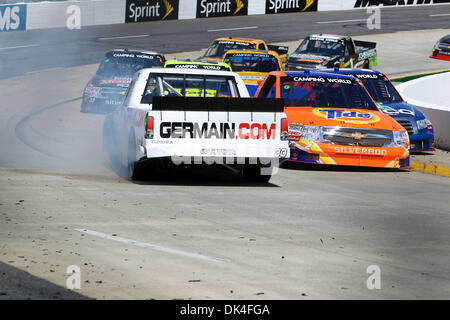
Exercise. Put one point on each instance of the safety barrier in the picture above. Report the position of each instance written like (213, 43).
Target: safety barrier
(431, 95)
(14, 17)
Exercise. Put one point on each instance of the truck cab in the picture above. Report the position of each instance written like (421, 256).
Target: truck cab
(322, 51)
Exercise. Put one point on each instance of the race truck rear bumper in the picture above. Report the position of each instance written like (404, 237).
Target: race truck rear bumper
(187, 151)
(320, 153)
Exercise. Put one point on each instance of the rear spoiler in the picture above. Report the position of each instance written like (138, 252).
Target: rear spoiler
(268, 105)
(281, 50)
(365, 44)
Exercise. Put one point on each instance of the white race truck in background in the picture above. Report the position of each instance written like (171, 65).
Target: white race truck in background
(188, 117)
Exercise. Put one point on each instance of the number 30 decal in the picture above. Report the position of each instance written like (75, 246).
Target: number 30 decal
(281, 152)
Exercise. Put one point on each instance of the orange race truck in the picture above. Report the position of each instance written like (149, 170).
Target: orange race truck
(333, 120)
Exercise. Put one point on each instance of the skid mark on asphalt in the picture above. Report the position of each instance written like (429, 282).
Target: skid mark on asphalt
(20, 128)
(150, 246)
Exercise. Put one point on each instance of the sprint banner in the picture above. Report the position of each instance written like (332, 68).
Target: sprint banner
(13, 17)
(284, 6)
(221, 8)
(151, 10)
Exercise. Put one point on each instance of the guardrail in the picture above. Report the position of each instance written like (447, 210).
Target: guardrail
(14, 17)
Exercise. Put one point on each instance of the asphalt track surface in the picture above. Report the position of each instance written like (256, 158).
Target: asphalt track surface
(311, 233)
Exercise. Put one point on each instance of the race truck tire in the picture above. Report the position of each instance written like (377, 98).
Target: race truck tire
(252, 173)
(134, 166)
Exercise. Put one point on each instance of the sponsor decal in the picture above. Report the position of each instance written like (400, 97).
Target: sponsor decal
(240, 43)
(321, 79)
(13, 17)
(151, 10)
(347, 116)
(283, 6)
(295, 130)
(367, 3)
(113, 102)
(249, 55)
(323, 38)
(393, 112)
(218, 152)
(361, 151)
(244, 77)
(365, 76)
(221, 8)
(197, 66)
(223, 130)
(133, 56)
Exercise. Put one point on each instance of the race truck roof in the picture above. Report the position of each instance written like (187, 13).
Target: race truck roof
(190, 71)
(209, 65)
(123, 61)
(328, 36)
(220, 46)
(136, 51)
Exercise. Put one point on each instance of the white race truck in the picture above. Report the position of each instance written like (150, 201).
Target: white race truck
(190, 117)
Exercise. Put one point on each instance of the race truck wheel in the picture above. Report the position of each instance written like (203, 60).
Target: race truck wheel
(253, 173)
(134, 166)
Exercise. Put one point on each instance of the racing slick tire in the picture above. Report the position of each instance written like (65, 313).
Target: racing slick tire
(134, 166)
(253, 173)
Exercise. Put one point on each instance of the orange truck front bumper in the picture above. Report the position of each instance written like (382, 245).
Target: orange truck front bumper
(321, 153)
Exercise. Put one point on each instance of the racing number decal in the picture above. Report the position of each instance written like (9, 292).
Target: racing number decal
(281, 152)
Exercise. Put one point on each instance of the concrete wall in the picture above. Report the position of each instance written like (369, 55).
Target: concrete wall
(55, 15)
(103, 12)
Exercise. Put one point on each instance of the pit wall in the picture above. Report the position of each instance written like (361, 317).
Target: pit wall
(29, 16)
(431, 95)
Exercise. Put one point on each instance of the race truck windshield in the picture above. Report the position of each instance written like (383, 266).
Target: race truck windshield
(219, 48)
(321, 46)
(252, 62)
(187, 85)
(325, 92)
(126, 64)
(380, 88)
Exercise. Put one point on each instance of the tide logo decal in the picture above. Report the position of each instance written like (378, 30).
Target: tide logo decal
(347, 116)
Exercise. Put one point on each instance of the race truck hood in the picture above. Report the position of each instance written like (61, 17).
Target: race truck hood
(400, 109)
(210, 59)
(310, 59)
(115, 82)
(252, 77)
(358, 118)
